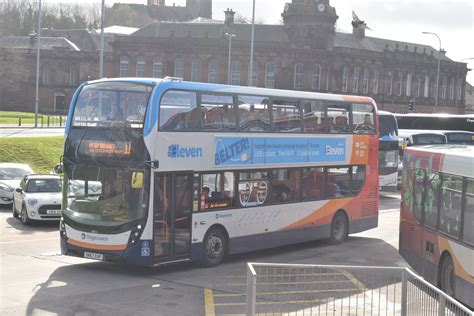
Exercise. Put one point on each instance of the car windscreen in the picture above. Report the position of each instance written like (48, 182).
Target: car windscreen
(43, 186)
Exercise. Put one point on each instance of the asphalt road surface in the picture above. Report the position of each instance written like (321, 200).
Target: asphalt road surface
(36, 280)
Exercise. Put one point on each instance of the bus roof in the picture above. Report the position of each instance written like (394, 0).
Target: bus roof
(177, 83)
(410, 132)
(440, 115)
(457, 159)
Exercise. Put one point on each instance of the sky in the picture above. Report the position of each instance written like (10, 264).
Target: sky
(402, 20)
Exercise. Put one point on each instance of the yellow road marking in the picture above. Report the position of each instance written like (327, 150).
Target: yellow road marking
(209, 306)
(271, 303)
(290, 283)
(286, 275)
(353, 279)
(289, 292)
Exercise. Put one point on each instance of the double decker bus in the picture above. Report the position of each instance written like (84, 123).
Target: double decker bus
(192, 171)
(388, 151)
(437, 217)
(461, 122)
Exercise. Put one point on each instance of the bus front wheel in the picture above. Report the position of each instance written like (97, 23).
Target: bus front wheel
(339, 228)
(214, 247)
(447, 276)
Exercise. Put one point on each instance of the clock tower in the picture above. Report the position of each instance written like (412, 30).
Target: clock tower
(310, 23)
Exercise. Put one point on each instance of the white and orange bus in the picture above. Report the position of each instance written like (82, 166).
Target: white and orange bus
(437, 217)
(193, 171)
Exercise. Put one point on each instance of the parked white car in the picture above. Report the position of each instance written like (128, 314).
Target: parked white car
(38, 198)
(10, 176)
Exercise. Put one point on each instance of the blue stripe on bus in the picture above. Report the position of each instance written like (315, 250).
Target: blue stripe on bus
(71, 109)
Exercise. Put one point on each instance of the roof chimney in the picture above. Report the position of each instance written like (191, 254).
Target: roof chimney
(358, 31)
(229, 17)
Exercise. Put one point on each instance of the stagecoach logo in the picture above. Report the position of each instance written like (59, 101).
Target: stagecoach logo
(85, 236)
(176, 151)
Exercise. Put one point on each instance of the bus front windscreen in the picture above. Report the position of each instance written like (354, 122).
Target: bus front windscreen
(103, 197)
(112, 104)
(428, 139)
(387, 125)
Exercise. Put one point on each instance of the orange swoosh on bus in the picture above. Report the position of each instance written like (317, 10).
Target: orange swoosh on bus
(328, 209)
(96, 247)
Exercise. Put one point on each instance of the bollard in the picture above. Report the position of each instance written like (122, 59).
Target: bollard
(60, 121)
(48, 121)
(19, 121)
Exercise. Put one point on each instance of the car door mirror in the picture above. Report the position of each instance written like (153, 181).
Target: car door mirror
(18, 190)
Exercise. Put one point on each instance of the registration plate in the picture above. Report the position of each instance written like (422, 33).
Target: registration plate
(93, 255)
(53, 212)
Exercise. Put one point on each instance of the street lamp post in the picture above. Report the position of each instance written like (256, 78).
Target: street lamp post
(38, 49)
(229, 36)
(437, 76)
(252, 41)
(459, 91)
(101, 58)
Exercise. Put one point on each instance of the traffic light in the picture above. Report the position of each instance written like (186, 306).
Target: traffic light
(411, 105)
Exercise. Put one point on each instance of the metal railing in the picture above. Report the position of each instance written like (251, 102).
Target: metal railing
(43, 120)
(310, 290)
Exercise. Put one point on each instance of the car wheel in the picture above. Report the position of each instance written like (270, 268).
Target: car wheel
(24, 216)
(214, 247)
(339, 228)
(14, 212)
(447, 276)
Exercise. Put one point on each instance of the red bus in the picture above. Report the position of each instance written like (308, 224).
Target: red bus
(437, 217)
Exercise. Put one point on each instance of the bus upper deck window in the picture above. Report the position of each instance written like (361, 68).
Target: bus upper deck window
(178, 111)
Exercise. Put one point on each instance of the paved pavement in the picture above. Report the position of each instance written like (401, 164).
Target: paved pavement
(11, 132)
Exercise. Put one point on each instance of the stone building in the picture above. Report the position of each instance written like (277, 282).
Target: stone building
(304, 53)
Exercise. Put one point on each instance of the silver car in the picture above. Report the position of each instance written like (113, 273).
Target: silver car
(10, 176)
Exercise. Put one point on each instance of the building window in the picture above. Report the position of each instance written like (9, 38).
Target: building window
(213, 71)
(355, 80)
(389, 83)
(417, 86)
(459, 88)
(196, 70)
(46, 74)
(365, 83)
(253, 81)
(345, 78)
(426, 90)
(270, 69)
(298, 77)
(375, 86)
(123, 66)
(451, 89)
(443, 87)
(399, 84)
(316, 85)
(179, 67)
(73, 75)
(157, 68)
(235, 73)
(408, 87)
(141, 67)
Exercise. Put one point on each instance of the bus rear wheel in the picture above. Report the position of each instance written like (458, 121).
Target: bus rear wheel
(214, 247)
(447, 276)
(339, 228)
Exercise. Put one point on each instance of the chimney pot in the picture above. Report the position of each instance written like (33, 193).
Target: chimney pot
(229, 17)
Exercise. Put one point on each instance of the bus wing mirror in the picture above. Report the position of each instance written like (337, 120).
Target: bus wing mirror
(137, 180)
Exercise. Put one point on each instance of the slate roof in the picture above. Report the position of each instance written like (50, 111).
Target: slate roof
(47, 43)
(268, 33)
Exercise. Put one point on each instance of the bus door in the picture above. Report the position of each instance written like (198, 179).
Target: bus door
(172, 216)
